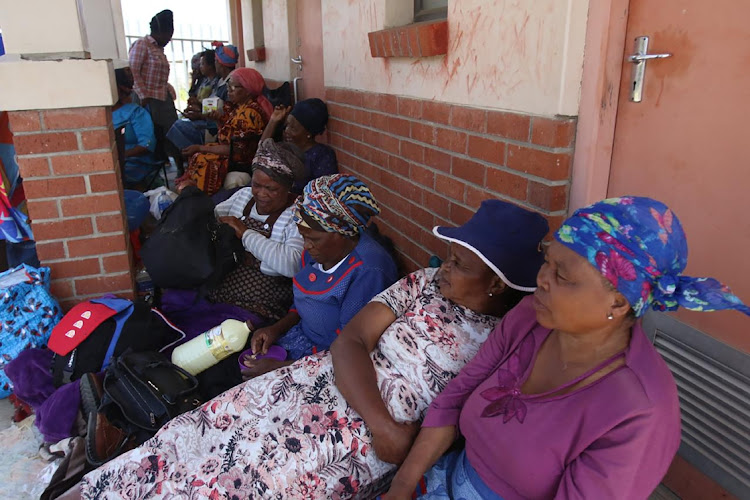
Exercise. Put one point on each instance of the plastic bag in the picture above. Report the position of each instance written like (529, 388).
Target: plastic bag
(28, 311)
(159, 199)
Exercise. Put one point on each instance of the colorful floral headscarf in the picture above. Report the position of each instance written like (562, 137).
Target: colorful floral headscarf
(337, 203)
(638, 244)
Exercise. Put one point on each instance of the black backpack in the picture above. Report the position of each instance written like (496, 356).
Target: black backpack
(189, 248)
(145, 329)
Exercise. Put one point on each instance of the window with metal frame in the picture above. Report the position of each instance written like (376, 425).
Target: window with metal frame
(430, 10)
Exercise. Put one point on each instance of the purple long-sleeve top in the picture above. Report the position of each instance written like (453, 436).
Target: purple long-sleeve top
(613, 438)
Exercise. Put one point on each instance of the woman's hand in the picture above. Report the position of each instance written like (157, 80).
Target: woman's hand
(279, 114)
(180, 185)
(263, 338)
(191, 150)
(213, 115)
(234, 223)
(392, 440)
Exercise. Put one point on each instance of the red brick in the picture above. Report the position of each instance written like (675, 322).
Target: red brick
(50, 251)
(66, 228)
(24, 121)
(508, 125)
(437, 204)
(104, 284)
(436, 111)
(398, 165)
(54, 187)
(362, 117)
(451, 140)
(412, 151)
(330, 95)
(422, 176)
(340, 112)
(103, 182)
(449, 186)
(33, 167)
(385, 44)
(474, 196)
(403, 42)
(380, 121)
(553, 133)
(506, 183)
(388, 143)
(433, 38)
(468, 170)
(437, 159)
(97, 139)
(96, 246)
(356, 132)
(45, 143)
(459, 214)
(42, 209)
(61, 289)
(384, 103)
(75, 268)
(83, 163)
(92, 204)
(552, 166)
(554, 221)
(411, 108)
(338, 127)
(116, 263)
(486, 149)
(398, 126)
(60, 119)
(469, 118)
(549, 198)
(422, 217)
(374, 48)
(423, 133)
(114, 223)
(350, 97)
(413, 35)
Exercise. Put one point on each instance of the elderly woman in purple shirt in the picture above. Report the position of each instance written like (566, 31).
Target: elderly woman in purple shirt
(567, 398)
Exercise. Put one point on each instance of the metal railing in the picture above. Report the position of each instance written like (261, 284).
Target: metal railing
(179, 52)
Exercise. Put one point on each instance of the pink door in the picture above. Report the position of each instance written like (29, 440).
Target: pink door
(310, 48)
(686, 143)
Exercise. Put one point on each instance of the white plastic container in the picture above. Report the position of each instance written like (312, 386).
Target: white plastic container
(212, 346)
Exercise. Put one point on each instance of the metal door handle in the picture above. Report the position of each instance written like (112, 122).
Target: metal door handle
(295, 88)
(645, 57)
(639, 67)
(297, 60)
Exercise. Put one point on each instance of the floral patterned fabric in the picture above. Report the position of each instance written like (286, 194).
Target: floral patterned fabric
(290, 433)
(243, 124)
(638, 244)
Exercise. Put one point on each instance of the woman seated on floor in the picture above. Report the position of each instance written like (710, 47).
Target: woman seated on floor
(568, 398)
(241, 124)
(140, 141)
(302, 124)
(291, 433)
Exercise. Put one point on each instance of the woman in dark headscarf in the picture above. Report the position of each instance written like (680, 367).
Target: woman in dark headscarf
(241, 124)
(567, 398)
(302, 124)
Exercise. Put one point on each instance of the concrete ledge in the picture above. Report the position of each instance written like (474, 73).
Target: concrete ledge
(32, 85)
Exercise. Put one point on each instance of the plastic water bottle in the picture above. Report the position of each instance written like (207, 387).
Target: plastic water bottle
(212, 346)
(144, 286)
(163, 201)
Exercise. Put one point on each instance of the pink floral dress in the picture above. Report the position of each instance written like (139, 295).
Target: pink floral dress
(290, 433)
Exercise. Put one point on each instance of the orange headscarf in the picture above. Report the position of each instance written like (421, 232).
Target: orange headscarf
(253, 82)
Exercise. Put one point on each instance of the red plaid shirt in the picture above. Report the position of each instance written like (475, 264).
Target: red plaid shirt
(150, 69)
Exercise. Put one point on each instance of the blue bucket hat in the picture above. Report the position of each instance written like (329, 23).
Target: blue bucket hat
(507, 238)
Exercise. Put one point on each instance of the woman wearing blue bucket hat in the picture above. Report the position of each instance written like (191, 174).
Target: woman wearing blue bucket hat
(331, 425)
(567, 398)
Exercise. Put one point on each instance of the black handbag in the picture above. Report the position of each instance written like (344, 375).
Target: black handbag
(144, 390)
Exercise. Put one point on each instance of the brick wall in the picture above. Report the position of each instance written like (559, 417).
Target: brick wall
(72, 183)
(432, 163)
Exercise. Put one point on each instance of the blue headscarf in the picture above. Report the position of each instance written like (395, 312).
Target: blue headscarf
(638, 244)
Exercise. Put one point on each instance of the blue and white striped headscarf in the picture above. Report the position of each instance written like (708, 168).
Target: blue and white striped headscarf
(638, 244)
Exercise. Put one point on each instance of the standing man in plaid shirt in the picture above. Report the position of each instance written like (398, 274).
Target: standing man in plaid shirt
(150, 69)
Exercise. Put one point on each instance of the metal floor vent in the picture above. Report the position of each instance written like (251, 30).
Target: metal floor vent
(713, 382)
